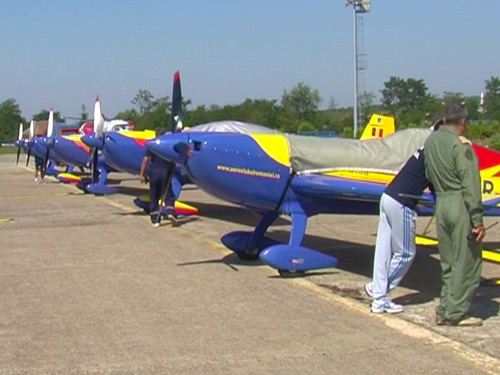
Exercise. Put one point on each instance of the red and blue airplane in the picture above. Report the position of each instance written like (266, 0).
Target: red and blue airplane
(300, 176)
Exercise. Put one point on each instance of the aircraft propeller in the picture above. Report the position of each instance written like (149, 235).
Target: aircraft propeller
(98, 133)
(50, 129)
(30, 140)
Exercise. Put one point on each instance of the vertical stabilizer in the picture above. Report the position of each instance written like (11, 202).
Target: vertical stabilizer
(176, 125)
(379, 126)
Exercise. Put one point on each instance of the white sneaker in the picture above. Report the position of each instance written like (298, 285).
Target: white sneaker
(36, 180)
(387, 306)
(369, 289)
(156, 225)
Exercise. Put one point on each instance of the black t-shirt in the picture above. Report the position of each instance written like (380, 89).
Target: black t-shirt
(410, 181)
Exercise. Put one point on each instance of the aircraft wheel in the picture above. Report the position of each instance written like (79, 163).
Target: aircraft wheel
(243, 255)
(286, 274)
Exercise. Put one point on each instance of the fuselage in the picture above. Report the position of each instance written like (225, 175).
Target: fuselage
(71, 150)
(256, 171)
(249, 170)
(125, 150)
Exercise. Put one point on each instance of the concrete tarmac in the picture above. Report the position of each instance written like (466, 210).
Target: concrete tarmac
(88, 286)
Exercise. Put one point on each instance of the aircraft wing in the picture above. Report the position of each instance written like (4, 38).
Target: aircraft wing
(334, 187)
(349, 189)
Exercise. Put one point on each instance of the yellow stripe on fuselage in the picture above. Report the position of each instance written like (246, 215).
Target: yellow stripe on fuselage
(77, 139)
(73, 137)
(139, 134)
(364, 175)
(275, 146)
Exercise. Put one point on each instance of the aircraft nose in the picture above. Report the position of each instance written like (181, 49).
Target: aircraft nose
(46, 141)
(172, 147)
(92, 140)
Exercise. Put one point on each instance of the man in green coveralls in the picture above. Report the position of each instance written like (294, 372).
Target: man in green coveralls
(452, 168)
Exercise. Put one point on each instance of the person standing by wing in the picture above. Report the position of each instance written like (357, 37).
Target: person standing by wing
(452, 167)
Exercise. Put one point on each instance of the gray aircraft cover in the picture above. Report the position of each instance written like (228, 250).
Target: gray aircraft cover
(231, 127)
(387, 154)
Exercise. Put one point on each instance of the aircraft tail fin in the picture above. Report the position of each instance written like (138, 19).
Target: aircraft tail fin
(489, 169)
(176, 124)
(379, 126)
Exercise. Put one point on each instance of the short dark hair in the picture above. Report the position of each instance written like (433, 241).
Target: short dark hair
(454, 112)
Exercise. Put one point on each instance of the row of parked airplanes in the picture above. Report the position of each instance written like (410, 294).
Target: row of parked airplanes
(259, 169)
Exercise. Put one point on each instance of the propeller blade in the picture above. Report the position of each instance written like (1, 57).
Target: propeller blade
(28, 158)
(98, 120)
(50, 126)
(19, 140)
(95, 171)
(46, 159)
(176, 122)
(32, 129)
(20, 133)
(50, 129)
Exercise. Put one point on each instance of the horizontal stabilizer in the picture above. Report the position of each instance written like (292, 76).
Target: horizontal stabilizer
(425, 241)
(488, 254)
(99, 189)
(180, 208)
(68, 178)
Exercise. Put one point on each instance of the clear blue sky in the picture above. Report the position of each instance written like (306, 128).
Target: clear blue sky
(62, 53)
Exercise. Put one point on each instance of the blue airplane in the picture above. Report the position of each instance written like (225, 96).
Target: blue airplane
(70, 149)
(35, 144)
(124, 150)
(298, 176)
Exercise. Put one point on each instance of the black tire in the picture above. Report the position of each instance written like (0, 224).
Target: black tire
(287, 274)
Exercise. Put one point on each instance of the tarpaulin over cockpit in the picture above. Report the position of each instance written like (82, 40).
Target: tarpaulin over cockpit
(387, 154)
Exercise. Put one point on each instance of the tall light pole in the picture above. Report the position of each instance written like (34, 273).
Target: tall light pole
(358, 6)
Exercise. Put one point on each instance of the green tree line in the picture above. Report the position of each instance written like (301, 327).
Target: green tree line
(408, 100)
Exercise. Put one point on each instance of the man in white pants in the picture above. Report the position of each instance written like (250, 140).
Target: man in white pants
(395, 247)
